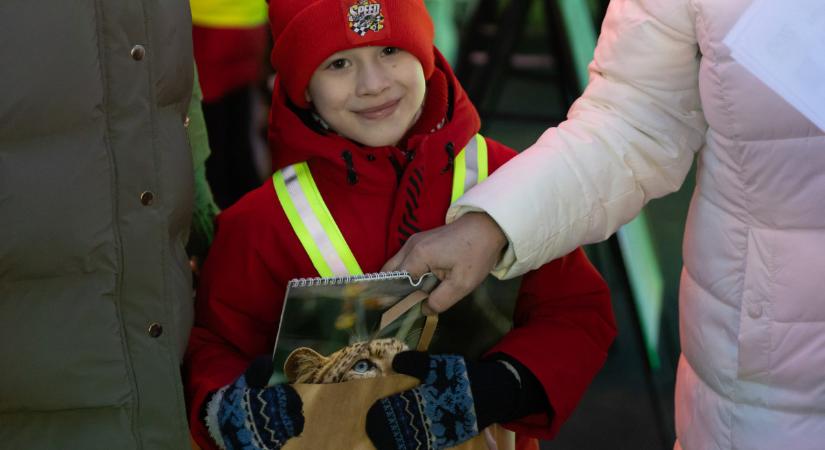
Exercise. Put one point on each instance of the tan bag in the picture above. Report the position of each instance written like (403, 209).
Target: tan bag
(329, 421)
(335, 415)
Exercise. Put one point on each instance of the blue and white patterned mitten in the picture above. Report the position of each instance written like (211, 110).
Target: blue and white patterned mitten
(437, 414)
(249, 415)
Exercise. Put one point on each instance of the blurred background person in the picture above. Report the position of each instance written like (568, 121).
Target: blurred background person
(231, 40)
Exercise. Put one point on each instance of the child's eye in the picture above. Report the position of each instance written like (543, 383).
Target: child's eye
(387, 51)
(363, 366)
(338, 64)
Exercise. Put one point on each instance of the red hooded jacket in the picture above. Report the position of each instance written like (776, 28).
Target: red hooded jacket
(563, 322)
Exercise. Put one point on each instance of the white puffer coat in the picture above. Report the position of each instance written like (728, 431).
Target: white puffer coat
(752, 306)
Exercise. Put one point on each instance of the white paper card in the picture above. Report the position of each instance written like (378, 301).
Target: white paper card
(782, 42)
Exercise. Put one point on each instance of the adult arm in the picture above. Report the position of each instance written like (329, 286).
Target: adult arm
(629, 138)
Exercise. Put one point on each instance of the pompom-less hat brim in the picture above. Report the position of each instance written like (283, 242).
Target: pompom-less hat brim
(321, 29)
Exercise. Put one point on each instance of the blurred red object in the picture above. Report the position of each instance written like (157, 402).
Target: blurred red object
(229, 58)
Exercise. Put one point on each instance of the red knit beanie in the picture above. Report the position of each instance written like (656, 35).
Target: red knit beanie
(306, 32)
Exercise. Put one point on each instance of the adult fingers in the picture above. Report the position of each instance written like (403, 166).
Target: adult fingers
(414, 257)
(448, 293)
(397, 260)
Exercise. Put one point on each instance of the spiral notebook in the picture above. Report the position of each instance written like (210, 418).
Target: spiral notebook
(327, 314)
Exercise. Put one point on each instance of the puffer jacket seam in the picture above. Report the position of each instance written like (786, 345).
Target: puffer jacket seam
(663, 168)
(713, 203)
(780, 408)
(800, 322)
(693, 10)
(134, 401)
(706, 289)
(776, 139)
(768, 311)
(710, 386)
(591, 197)
(175, 106)
(153, 139)
(166, 258)
(17, 412)
(725, 106)
(73, 274)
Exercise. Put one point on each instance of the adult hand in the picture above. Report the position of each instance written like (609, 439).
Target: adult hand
(250, 415)
(460, 254)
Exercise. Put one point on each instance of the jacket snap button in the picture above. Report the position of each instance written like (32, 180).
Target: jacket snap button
(755, 311)
(147, 198)
(137, 52)
(155, 330)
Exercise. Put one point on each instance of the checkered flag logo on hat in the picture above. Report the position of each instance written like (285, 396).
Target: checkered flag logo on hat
(365, 16)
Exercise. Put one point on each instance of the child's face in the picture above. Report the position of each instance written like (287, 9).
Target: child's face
(372, 95)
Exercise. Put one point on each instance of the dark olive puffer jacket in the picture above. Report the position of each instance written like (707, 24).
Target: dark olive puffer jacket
(95, 206)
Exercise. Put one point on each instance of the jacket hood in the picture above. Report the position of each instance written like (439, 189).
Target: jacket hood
(295, 136)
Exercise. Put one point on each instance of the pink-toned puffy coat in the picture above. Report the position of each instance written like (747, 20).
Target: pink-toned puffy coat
(752, 310)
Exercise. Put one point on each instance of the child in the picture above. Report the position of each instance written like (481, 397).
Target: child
(377, 116)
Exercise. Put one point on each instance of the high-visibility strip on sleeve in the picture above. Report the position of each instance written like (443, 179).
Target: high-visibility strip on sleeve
(483, 167)
(459, 176)
(470, 163)
(312, 222)
(470, 167)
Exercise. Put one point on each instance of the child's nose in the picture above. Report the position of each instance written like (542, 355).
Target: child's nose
(373, 79)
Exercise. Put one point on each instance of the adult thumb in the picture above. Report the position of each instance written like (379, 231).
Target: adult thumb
(396, 261)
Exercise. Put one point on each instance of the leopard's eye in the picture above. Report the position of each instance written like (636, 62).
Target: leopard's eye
(363, 366)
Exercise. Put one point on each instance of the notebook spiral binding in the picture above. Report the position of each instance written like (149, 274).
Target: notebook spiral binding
(335, 281)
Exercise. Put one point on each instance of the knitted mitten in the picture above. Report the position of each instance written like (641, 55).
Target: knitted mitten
(455, 399)
(249, 415)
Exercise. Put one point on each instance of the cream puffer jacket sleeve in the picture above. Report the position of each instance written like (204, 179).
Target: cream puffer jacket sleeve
(628, 139)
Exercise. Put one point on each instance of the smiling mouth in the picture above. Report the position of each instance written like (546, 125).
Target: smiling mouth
(380, 111)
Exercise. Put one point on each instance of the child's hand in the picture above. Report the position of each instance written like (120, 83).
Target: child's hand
(455, 399)
(247, 414)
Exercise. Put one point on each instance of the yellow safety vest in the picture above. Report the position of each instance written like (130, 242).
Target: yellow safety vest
(229, 13)
(316, 229)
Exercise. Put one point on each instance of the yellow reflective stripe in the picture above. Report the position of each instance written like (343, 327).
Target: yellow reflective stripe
(298, 226)
(459, 174)
(316, 202)
(229, 13)
(460, 169)
(483, 169)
